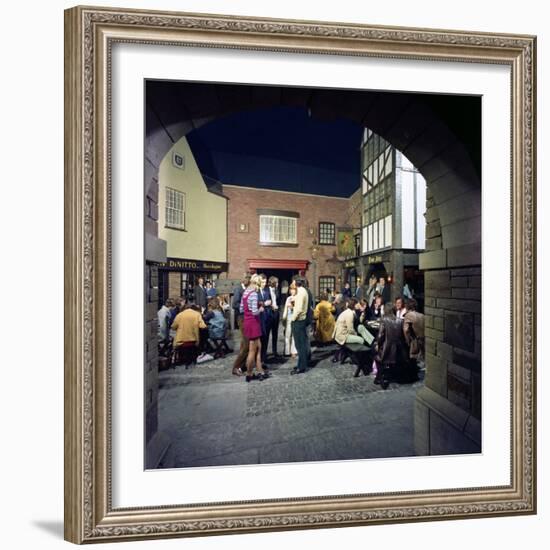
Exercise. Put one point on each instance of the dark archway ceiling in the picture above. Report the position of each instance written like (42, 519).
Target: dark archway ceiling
(306, 139)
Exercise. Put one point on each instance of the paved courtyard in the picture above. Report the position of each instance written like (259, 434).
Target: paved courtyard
(215, 418)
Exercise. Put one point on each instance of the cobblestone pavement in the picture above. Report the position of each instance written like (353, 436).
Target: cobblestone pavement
(215, 418)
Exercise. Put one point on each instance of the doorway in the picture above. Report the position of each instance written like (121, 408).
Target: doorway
(285, 277)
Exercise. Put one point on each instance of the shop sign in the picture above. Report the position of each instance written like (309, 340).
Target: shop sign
(178, 264)
(378, 259)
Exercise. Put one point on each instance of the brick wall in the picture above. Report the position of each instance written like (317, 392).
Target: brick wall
(151, 351)
(453, 336)
(354, 209)
(242, 208)
(433, 225)
(453, 326)
(174, 284)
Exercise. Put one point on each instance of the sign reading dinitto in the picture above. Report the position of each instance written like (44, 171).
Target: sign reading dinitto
(179, 264)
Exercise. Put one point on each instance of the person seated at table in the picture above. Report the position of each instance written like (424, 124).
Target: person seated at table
(339, 305)
(217, 325)
(344, 332)
(361, 311)
(400, 308)
(413, 330)
(188, 325)
(164, 314)
(376, 311)
(324, 327)
(391, 347)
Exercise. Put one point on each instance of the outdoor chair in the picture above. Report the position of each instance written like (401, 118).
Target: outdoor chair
(186, 354)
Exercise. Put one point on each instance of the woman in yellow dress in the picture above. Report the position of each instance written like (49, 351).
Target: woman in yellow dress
(324, 327)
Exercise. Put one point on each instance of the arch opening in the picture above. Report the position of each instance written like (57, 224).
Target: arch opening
(441, 138)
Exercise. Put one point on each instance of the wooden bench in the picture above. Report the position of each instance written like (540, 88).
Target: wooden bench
(359, 355)
(185, 354)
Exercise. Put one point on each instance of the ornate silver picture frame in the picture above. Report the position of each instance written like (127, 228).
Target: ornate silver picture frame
(90, 34)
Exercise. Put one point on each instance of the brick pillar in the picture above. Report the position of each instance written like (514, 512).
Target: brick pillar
(398, 275)
(448, 408)
(151, 351)
(157, 444)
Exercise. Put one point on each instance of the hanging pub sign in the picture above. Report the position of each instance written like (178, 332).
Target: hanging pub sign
(345, 242)
(179, 264)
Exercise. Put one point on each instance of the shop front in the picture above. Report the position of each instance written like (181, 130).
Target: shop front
(398, 267)
(178, 277)
(284, 270)
(352, 274)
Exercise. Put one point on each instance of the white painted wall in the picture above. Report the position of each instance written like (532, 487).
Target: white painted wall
(408, 213)
(420, 211)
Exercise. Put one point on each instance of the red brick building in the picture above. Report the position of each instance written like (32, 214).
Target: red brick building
(285, 233)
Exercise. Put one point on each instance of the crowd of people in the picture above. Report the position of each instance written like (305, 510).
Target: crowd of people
(393, 332)
(199, 324)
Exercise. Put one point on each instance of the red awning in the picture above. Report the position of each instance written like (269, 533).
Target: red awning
(298, 265)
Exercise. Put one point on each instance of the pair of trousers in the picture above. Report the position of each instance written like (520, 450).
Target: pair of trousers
(274, 330)
(240, 361)
(264, 338)
(354, 339)
(308, 342)
(299, 333)
(361, 338)
(290, 347)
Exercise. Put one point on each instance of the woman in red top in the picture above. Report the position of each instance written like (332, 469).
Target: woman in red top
(252, 328)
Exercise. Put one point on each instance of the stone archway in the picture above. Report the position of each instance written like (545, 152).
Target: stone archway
(441, 139)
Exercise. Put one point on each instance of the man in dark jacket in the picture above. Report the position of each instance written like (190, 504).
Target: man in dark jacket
(239, 365)
(309, 318)
(384, 290)
(273, 287)
(392, 348)
(264, 298)
(200, 294)
(236, 301)
(346, 291)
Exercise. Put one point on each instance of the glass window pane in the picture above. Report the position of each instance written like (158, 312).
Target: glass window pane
(370, 237)
(388, 222)
(174, 212)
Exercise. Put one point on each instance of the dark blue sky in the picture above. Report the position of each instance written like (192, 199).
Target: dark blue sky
(281, 148)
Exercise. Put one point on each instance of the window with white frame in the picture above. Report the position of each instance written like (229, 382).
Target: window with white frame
(327, 233)
(327, 283)
(174, 209)
(278, 229)
(377, 235)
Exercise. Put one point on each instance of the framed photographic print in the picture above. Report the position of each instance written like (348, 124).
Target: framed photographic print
(300, 274)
